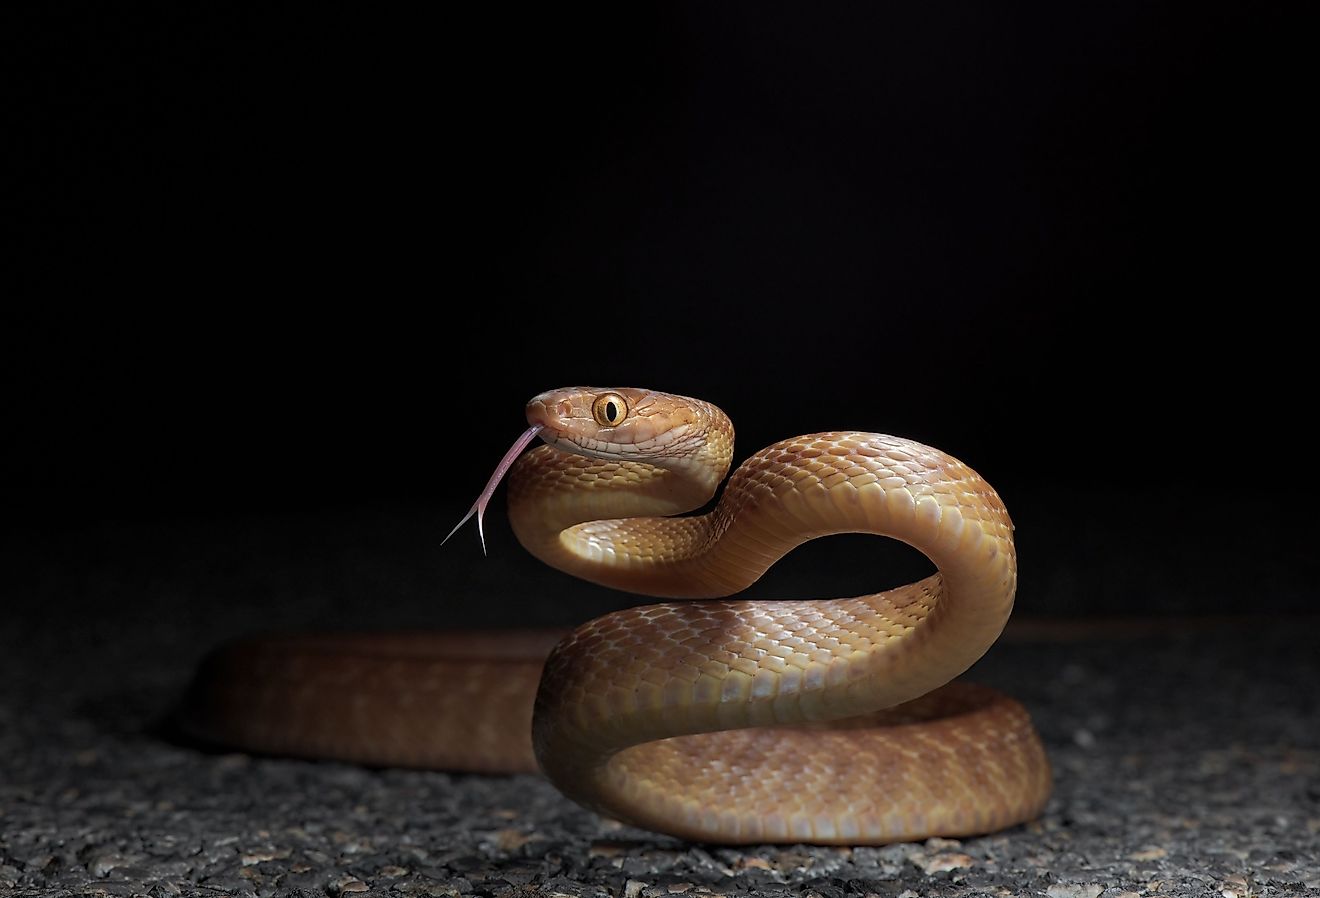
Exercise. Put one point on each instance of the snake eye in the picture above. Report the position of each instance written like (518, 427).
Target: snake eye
(609, 409)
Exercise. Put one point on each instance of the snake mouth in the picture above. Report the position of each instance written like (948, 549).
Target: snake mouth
(540, 415)
(555, 414)
(549, 417)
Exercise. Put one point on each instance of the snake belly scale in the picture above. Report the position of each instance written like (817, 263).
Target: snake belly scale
(825, 721)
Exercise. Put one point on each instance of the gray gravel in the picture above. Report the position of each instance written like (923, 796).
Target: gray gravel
(1187, 762)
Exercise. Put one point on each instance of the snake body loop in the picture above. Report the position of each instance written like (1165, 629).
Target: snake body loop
(725, 721)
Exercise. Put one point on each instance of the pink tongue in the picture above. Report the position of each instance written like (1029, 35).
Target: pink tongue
(479, 507)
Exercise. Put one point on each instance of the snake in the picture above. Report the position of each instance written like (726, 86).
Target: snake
(705, 717)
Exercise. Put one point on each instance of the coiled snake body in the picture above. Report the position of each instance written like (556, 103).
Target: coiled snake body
(725, 721)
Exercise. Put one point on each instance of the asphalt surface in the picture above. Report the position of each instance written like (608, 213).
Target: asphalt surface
(1186, 750)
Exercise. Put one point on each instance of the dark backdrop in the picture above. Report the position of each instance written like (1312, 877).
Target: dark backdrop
(279, 268)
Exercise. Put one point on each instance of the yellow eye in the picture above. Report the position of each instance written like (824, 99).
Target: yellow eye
(609, 409)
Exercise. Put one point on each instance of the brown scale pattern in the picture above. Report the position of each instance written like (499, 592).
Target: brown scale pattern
(385, 699)
(725, 721)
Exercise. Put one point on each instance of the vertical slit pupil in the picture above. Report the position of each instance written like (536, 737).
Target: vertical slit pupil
(611, 412)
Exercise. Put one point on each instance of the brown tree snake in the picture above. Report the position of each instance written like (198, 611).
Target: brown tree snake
(823, 721)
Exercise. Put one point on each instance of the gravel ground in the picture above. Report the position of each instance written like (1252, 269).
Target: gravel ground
(1187, 762)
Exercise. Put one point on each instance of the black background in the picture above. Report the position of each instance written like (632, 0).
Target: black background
(282, 267)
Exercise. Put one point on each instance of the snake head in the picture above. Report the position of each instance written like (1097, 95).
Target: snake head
(625, 423)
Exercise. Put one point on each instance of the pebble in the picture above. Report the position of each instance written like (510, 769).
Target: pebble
(1072, 890)
(946, 861)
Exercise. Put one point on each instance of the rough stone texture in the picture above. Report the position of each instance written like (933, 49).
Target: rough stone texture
(1187, 758)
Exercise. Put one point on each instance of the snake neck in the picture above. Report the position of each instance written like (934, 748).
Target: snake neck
(593, 517)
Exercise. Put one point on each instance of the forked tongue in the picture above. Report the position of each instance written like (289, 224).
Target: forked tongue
(479, 507)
